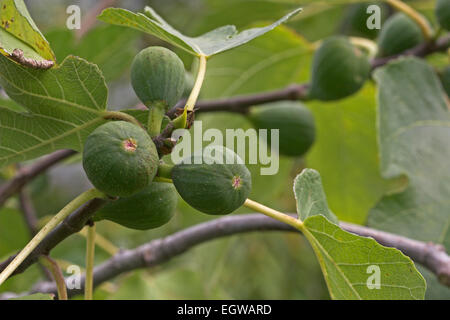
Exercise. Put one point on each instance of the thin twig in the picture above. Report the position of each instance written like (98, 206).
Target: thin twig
(26, 174)
(58, 276)
(161, 250)
(28, 211)
(240, 104)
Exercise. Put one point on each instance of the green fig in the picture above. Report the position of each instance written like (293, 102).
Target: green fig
(399, 33)
(295, 122)
(150, 208)
(339, 69)
(213, 188)
(157, 77)
(120, 158)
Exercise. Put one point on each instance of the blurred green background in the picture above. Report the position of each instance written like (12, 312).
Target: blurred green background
(253, 266)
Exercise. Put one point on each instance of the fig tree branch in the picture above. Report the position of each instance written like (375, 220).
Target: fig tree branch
(158, 251)
(240, 104)
(28, 173)
(72, 224)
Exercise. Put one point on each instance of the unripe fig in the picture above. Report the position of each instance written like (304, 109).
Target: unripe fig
(157, 77)
(295, 122)
(148, 209)
(443, 13)
(120, 158)
(339, 69)
(355, 20)
(213, 188)
(399, 33)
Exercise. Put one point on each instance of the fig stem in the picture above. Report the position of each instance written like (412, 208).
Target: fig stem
(57, 274)
(165, 171)
(155, 118)
(190, 103)
(272, 213)
(414, 15)
(369, 45)
(90, 255)
(56, 220)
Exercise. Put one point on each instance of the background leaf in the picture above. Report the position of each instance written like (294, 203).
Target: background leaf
(110, 47)
(208, 44)
(345, 153)
(414, 137)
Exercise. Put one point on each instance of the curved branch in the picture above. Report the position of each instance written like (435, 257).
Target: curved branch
(26, 174)
(240, 104)
(161, 250)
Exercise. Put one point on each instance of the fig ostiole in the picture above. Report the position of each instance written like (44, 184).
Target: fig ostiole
(150, 208)
(294, 121)
(120, 158)
(211, 187)
(339, 69)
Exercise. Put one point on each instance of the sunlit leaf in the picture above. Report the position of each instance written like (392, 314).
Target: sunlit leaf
(208, 44)
(20, 35)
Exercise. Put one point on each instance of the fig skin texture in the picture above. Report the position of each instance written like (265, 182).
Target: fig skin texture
(148, 209)
(398, 33)
(339, 70)
(297, 130)
(158, 77)
(120, 158)
(215, 189)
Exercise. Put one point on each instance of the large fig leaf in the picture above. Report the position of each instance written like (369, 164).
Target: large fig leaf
(208, 44)
(65, 104)
(414, 138)
(354, 267)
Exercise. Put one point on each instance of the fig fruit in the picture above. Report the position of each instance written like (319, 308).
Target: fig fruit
(148, 209)
(120, 158)
(157, 77)
(339, 69)
(217, 184)
(442, 12)
(295, 122)
(399, 33)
